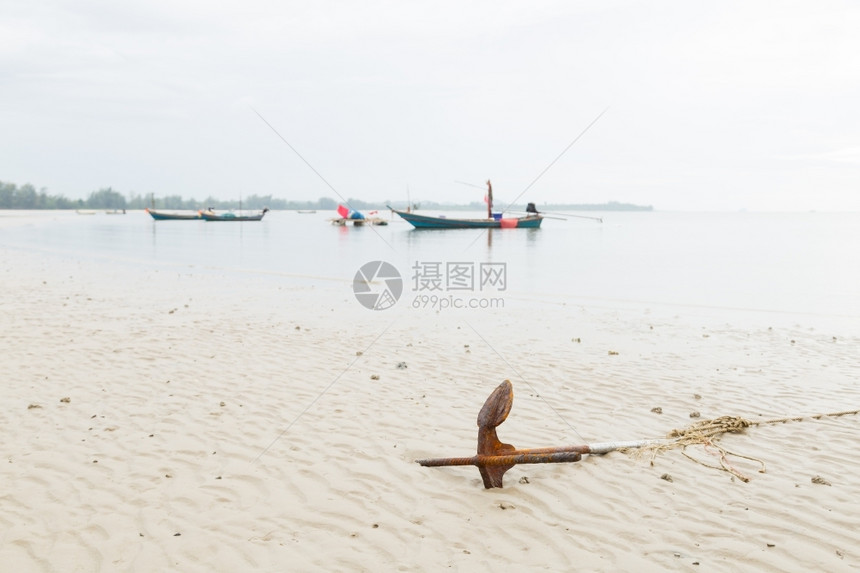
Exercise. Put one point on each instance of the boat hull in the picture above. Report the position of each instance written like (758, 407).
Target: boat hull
(427, 222)
(211, 216)
(169, 216)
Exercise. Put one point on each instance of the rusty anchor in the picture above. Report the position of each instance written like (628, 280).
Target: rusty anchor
(495, 458)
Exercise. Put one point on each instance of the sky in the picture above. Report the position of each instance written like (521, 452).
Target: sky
(689, 106)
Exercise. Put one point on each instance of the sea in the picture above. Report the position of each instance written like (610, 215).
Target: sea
(801, 266)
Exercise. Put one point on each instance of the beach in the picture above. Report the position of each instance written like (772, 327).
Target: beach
(161, 419)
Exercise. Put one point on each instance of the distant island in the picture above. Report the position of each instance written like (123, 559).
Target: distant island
(27, 197)
(479, 206)
(610, 206)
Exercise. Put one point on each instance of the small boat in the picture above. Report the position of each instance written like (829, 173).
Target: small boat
(343, 221)
(211, 215)
(174, 215)
(428, 222)
(358, 219)
(493, 221)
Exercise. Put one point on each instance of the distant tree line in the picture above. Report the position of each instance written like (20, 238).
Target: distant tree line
(250, 202)
(27, 197)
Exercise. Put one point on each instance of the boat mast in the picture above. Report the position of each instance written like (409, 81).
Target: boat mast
(489, 200)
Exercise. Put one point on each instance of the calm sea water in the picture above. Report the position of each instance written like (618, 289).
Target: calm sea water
(794, 263)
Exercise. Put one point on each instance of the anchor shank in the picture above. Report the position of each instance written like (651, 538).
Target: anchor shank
(584, 449)
(512, 459)
(505, 460)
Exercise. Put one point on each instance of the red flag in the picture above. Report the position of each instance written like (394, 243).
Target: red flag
(342, 211)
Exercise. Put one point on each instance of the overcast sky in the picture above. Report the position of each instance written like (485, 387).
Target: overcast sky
(711, 106)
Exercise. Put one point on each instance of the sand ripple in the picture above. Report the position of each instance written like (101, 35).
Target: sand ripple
(161, 421)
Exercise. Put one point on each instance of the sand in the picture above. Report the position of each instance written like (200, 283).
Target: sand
(157, 419)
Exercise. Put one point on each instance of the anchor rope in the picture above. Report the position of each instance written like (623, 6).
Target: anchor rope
(707, 433)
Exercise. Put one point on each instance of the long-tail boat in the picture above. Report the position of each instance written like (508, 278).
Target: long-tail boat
(427, 222)
(211, 215)
(530, 221)
(159, 215)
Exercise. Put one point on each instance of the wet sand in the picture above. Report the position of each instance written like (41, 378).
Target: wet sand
(156, 419)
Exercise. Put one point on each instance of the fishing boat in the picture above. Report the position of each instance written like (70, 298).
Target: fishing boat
(428, 222)
(211, 215)
(532, 220)
(159, 215)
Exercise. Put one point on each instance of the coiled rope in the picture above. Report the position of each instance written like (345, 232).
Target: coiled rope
(707, 433)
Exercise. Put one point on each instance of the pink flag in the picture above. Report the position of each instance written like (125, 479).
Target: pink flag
(342, 211)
